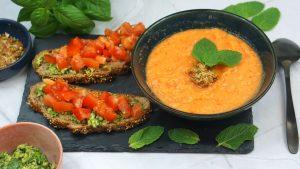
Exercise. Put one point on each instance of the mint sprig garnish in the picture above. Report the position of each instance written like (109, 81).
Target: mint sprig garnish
(253, 10)
(233, 137)
(183, 136)
(206, 52)
(145, 136)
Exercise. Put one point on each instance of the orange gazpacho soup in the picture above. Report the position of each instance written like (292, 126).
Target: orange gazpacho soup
(171, 59)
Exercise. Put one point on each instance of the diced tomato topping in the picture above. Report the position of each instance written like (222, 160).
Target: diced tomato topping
(124, 106)
(60, 85)
(74, 47)
(137, 111)
(68, 95)
(113, 36)
(99, 46)
(89, 51)
(77, 102)
(125, 29)
(77, 63)
(50, 59)
(139, 29)
(119, 53)
(129, 42)
(106, 53)
(47, 89)
(104, 111)
(90, 101)
(62, 62)
(92, 63)
(100, 59)
(112, 102)
(81, 113)
(58, 106)
(63, 51)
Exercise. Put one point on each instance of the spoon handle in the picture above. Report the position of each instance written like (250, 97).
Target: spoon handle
(291, 124)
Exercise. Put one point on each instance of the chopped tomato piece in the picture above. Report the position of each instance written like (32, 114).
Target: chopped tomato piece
(89, 62)
(125, 29)
(138, 29)
(104, 111)
(90, 101)
(106, 53)
(137, 111)
(81, 113)
(129, 42)
(63, 51)
(99, 46)
(47, 89)
(77, 102)
(74, 47)
(69, 95)
(58, 106)
(112, 102)
(104, 96)
(113, 36)
(62, 106)
(100, 59)
(60, 85)
(50, 59)
(119, 53)
(77, 63)
(62, 62)
(49, 100)
(124, 106)
(89, 51)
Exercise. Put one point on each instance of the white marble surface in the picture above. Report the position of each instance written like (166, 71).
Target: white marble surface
(270, 145)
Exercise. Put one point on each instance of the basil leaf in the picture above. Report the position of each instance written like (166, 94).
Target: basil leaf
(234, 136)
(185, 136)
(67, 2)
(33, 4)
(145, 136)
(268, 19)
(45, 31)
(24, 14)
(206, 52)
(40, 16)
(246, 9)
(229, 57)
(71, 16)
(96, 9)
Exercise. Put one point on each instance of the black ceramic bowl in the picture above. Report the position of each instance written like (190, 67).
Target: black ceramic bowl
(203, 18)
(18, 31)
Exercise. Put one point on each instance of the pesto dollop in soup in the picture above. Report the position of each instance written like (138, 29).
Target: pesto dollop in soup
(25, 157)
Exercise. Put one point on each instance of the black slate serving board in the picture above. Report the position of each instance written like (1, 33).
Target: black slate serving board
(118, 141)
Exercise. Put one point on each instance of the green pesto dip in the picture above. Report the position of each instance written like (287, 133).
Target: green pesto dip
(25, 157)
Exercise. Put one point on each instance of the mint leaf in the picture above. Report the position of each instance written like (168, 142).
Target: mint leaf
(234, 136)
(145, 136)
(246, 9)
(40, 16)
(95, 9)
(229, 57)
(71, 16)
(24, 14)
(268, 19)
(206, 52)
(183, 136)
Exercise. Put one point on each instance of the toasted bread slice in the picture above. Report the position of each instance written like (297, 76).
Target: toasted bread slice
(67, 120)
(105, 73)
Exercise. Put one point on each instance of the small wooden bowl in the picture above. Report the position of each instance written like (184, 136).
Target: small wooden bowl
(35, 135)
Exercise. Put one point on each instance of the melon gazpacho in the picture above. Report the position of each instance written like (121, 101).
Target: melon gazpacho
(184, 83)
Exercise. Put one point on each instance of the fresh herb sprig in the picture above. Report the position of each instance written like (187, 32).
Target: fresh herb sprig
(183, 136)
(145, 136)
(74, 16)
(253, 10)
(206, 52)
(233, 137)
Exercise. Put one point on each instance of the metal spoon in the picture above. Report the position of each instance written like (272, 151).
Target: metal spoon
(288, 52)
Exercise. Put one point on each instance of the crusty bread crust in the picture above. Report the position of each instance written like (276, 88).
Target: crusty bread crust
(101, 75)
(64, 120)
